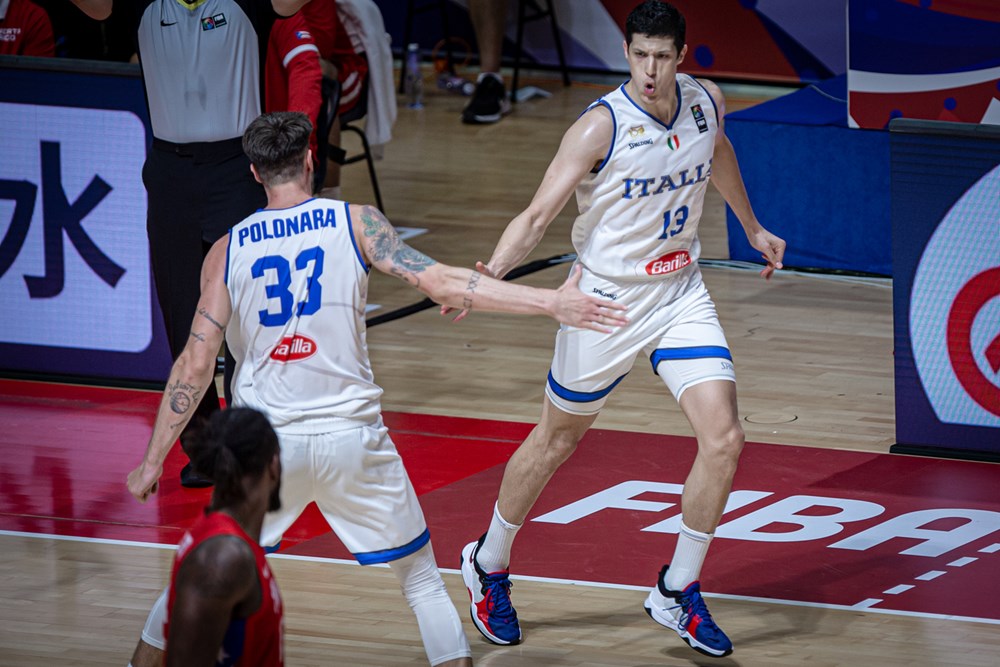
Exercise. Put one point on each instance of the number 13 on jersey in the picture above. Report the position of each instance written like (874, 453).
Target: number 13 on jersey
(673, 222)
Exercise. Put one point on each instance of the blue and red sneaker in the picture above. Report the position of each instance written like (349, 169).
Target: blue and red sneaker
(685, 613)
(489, 594)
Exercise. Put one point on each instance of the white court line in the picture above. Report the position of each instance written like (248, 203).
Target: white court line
(867, 604)
(962, 562)
(933, 574)
(863, 605)
(896, 590)
(992, 549)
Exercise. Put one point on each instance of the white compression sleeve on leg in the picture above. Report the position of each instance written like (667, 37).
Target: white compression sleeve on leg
(152, 633)
(440, 626)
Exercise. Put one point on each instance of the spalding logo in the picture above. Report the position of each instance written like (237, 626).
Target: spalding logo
(670, 262)
(294, 348)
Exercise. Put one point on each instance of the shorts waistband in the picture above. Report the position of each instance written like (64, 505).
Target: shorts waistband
(209, 150)
(321, 426)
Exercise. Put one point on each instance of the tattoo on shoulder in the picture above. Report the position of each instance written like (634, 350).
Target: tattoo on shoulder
(386, 244)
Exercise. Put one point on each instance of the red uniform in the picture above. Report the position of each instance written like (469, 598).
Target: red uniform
(336, 46)
(255, 641)
(292, 76)
(25, 30)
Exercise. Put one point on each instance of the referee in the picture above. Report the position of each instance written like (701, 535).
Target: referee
(202, 65)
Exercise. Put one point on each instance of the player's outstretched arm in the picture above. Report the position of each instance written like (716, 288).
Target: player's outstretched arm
(583, 147)
(728, 181)
(191, 374)
(468, 289)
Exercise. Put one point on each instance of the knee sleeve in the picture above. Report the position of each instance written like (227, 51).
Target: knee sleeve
(440, 627)
(152, 632)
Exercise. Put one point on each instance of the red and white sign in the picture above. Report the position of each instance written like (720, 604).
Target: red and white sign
(955, 310)
(294, 348)
(673, 261)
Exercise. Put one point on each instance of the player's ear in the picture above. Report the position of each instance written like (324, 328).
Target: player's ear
(680, 56)
(253, 170)
(274, 467)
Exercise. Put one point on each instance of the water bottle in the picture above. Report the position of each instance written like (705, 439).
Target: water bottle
(414, 79)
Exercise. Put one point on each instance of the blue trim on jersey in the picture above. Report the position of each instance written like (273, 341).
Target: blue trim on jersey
(288, 208)
(233, 642)
(709, 97)
(350, 229)
(677, 111)
(229, 245)
(387, 555)
(581, 396)
(271, 550)
(697, 352)
(614, 133)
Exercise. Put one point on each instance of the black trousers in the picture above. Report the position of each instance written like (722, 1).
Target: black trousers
(196, 192)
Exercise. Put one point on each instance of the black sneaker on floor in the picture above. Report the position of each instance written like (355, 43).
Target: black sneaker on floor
(192, 480)
(489, 102)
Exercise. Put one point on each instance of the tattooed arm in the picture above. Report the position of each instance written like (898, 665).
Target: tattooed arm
(468, 289)
(191, 374)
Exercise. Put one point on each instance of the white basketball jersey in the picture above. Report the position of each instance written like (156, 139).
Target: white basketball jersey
(298, 286)
(639, 209)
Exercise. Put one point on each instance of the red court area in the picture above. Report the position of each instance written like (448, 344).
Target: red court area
(816, 526)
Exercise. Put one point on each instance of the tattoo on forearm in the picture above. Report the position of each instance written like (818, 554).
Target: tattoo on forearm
(183, 396)
(204, 313)
(197, 336)
(386, 244)
(470, 290)
(405, 276)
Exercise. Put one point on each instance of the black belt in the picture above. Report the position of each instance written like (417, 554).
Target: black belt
(202, 150)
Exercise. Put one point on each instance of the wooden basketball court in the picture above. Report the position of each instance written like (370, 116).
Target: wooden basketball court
(814, 362)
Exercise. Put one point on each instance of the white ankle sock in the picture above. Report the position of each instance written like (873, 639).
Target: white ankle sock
(689, 555)
(494, 555)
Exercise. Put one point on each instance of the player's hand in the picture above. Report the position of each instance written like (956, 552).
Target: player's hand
(481, 268)
(772, 249)
(144, 481)
(576, 309)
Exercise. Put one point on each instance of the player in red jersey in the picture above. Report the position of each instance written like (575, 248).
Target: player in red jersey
(224, 607)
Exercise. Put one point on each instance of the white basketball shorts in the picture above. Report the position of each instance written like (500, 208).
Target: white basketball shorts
(673, 323)
(357, 479)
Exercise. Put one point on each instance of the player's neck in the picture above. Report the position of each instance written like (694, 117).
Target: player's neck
(249, 516)
(662, 107)
(287, 195)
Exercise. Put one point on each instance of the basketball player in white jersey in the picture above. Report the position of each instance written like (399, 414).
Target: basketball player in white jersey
(288, 287)
(639, 160)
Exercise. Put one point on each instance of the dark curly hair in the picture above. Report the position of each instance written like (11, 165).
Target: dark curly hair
(233, 444)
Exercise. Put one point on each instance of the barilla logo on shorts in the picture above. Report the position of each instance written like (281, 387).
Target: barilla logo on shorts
(294, 348)
(673, 261)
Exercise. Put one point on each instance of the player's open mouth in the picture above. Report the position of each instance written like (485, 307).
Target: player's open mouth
(648, 88)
